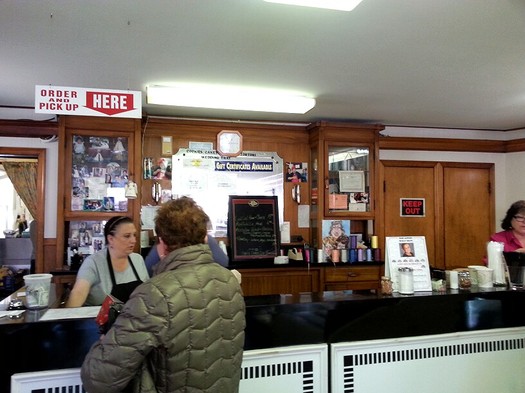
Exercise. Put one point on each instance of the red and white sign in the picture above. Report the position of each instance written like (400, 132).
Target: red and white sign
(80, 101)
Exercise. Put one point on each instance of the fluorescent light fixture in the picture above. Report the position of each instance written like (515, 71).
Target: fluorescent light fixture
(224, 97)
(340, 5)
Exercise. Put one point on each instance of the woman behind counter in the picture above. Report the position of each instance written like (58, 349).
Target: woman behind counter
(114, 270)
(513, 225)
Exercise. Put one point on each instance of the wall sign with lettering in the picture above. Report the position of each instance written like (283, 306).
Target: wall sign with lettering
(60, 100)
(210, 179)
(412, 207)
(253, 227)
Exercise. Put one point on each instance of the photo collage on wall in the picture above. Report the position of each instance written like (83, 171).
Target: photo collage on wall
(100, 174)
(85, 238)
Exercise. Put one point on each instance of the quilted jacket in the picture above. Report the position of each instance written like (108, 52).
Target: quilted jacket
(181, 331)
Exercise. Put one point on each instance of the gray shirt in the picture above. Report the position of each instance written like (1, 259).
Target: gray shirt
(95, 270)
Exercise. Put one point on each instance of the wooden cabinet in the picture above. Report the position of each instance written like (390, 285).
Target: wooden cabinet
(351, 277)
(273, 281)
(98, 157)
(280, 280)
(343, 161)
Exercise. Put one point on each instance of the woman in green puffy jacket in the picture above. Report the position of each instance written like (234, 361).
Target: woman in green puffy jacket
(181, 331)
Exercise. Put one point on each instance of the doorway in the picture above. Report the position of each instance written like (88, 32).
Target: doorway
(40, 156)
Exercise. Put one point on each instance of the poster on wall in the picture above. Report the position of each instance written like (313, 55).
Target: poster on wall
(408, 251)
(210, 179)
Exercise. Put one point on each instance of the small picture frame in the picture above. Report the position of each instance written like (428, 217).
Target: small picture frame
(93, 205)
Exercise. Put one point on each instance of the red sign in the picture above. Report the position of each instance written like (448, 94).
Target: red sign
(412, 207)
(109, 103)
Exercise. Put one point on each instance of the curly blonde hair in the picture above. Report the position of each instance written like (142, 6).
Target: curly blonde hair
(181, 223)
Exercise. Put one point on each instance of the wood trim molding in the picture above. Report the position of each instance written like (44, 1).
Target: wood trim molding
(28, 129)
(515, 145)
(444, 144)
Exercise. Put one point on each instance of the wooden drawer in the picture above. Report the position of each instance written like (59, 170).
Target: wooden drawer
(352, 274)
(275, 281)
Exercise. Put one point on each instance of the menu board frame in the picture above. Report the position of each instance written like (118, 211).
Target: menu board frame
(253, 227)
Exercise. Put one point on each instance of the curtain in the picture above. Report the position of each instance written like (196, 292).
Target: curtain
(23, 175)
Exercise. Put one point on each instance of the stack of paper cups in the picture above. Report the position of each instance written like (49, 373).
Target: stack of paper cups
(495, 261)
(144, 239)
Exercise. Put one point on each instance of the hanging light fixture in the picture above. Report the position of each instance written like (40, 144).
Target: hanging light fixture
(225, 97)
(340, 5)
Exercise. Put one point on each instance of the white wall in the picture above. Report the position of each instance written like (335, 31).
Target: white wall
(51, 177)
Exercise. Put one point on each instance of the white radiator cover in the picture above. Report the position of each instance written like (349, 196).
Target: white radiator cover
(295, 369)
(478, 362)
(467, 362)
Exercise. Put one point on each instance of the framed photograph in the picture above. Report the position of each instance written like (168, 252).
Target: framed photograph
(351, 181)
(108, 203)
(93, 205)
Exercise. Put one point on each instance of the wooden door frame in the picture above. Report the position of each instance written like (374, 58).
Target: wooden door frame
(40, 155)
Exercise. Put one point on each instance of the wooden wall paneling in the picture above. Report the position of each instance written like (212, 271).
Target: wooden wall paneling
(290, 142)
(50, 256)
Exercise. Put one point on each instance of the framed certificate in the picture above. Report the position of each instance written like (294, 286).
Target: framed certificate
(351, 181)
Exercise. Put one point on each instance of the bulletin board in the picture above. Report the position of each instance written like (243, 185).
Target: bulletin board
(253, 227)
(210, 179)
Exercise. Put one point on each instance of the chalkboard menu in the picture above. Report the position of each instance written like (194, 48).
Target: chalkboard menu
(253, 227)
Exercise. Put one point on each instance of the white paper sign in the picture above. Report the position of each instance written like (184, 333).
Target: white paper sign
(408, 251)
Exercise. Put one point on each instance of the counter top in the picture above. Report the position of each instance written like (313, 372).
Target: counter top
(285, 320)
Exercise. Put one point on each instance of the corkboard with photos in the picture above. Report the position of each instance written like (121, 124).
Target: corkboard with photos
(84, 238)
(99, 174)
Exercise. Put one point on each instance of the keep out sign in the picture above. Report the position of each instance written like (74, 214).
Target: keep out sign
(88, 102)
(412, 207)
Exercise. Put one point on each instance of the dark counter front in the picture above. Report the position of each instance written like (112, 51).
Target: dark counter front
(282, 320)
(274, 321)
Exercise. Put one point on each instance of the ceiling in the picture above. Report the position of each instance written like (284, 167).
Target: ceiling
(421, 63)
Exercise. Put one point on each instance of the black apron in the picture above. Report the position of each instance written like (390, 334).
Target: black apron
(122, 291)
